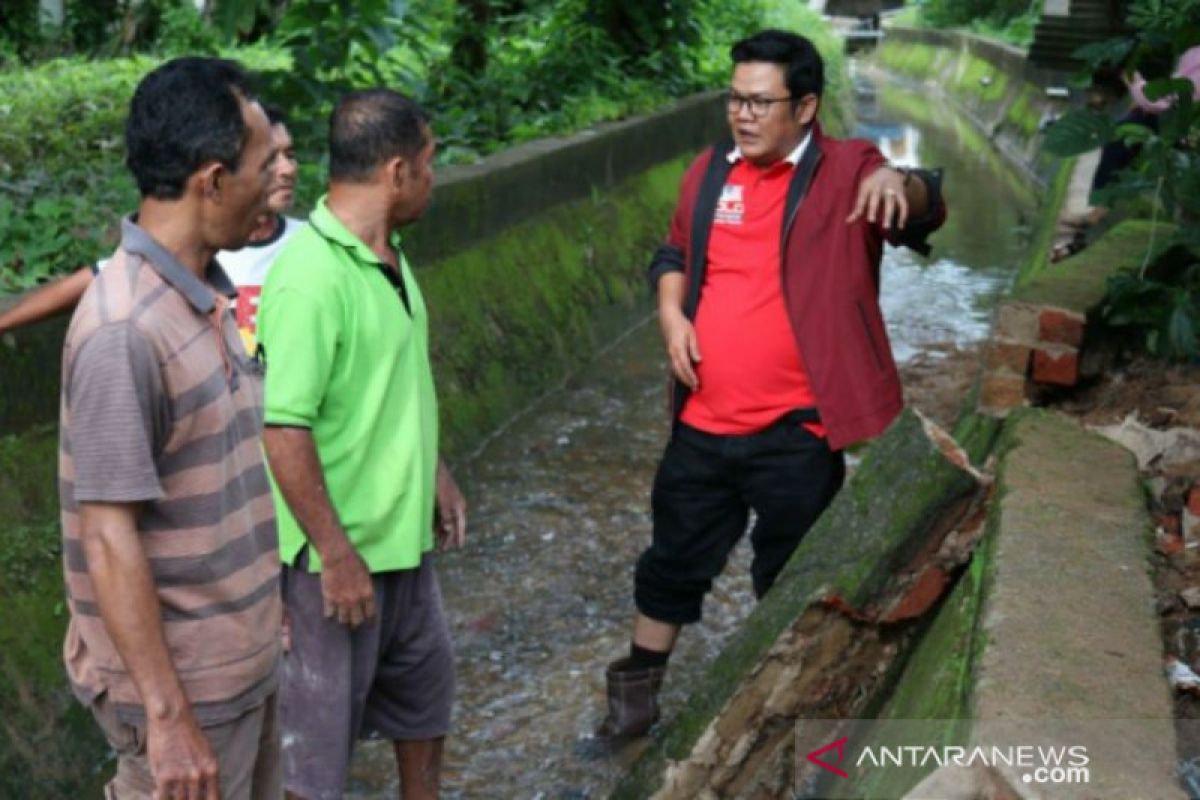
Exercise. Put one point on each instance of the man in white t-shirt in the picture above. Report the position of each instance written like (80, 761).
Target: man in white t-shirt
(247, 268)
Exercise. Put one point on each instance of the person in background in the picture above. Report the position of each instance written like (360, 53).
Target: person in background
(768, 305)
(351, 439)
(169, 543)
(247, 266)
(1117, 155)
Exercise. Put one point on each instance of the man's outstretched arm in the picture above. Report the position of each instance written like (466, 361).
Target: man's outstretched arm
(181, 758)
(59, 296)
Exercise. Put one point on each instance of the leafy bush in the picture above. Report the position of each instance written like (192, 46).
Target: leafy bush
(1009, 21)
(1166, 172)
(548, 67)
(63, 182)
(1163, 315)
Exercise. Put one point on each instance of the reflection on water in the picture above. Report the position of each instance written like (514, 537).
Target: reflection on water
(947, 298)
(541, 598)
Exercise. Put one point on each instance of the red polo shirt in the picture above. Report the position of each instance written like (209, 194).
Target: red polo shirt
(751, 371)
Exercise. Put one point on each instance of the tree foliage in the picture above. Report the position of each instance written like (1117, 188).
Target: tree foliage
(538, 68)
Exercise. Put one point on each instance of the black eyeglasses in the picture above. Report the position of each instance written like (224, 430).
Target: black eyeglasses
(759, 106)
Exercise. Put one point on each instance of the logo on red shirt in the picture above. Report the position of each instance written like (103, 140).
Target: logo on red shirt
(730, 208)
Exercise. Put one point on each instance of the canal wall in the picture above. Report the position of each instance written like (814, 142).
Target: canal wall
(989, 82)
(999, 94)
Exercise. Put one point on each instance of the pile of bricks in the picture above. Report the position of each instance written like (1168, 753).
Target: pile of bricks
(1030, 345)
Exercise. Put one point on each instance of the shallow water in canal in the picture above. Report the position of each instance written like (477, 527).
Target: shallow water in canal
(541, 598)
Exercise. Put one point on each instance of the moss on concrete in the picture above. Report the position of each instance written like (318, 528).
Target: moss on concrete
(49, 747)
(980, 80)
(1022, 113)
(524, 309)
(1079, 282)
(1047, 226)
(913, 60)
(934, 688)
(976, 433)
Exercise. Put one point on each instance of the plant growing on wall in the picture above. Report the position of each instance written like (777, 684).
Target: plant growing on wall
(1163, 311)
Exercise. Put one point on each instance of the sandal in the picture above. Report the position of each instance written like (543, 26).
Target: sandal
(1067, 246)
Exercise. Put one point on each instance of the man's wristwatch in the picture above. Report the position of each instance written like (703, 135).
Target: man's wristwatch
(905, 171)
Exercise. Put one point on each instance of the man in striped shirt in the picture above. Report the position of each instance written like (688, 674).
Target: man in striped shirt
(170, 546)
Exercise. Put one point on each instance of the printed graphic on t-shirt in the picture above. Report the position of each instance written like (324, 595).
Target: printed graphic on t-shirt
(247, 314)
(247, 268)
(730, 208)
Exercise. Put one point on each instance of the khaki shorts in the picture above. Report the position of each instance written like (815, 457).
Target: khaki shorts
(247, 751)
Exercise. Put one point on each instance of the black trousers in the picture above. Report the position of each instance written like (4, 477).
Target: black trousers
(703, 492)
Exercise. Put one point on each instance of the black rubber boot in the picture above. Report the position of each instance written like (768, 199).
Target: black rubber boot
(632, 702)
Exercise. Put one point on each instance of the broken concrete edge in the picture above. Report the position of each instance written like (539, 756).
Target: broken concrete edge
(976, 433)
(936, 677)
(847, 553)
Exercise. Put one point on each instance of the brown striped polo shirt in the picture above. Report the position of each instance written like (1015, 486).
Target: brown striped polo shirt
(161, 407)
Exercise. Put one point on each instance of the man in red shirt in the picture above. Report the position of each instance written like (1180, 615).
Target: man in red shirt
(767, 294)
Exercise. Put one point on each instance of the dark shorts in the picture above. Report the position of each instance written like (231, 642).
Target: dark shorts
(704, 490)
(391, 678)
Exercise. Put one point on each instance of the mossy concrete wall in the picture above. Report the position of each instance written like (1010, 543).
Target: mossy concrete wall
(49, 746)
(519, 313)
(991, 83)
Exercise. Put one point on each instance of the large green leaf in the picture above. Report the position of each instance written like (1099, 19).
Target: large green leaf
(1166, 87)
(1109, 51)
(1181, 330)
(1078, 132)
(236, 17)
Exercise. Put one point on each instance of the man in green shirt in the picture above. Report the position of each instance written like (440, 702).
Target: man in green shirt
(351, 441)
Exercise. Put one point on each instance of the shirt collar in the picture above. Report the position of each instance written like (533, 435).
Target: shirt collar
(330, 227)
(198, 293)
(793, 158)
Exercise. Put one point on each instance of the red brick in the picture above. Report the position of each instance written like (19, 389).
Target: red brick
(1169, 523)
(1170, 545)
(1006, 355)
(1058, 366)
(926, 588)
(1017, 322)
(1193, 499)
(1060, 327)
(1001, 391)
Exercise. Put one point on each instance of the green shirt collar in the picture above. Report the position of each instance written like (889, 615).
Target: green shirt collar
(331, 228)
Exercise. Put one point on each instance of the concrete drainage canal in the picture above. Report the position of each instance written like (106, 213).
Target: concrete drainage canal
(541, 598)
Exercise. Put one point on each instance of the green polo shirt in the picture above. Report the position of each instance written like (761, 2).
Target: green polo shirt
(348, 360)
